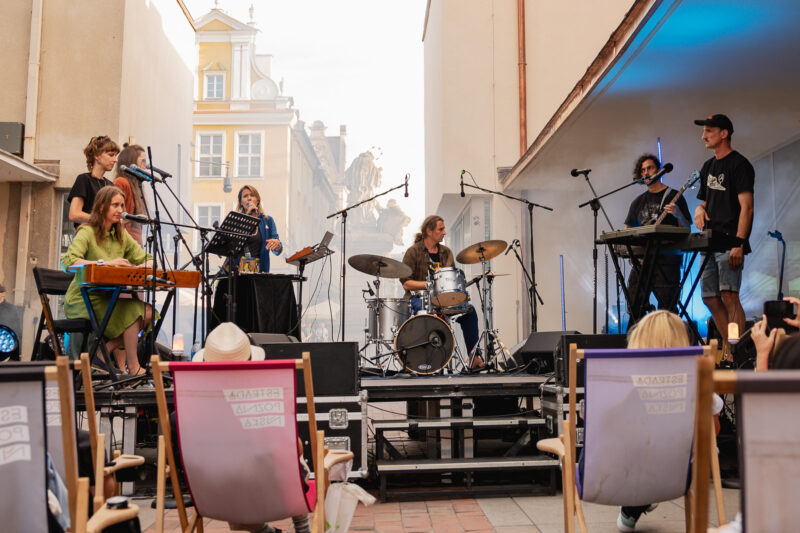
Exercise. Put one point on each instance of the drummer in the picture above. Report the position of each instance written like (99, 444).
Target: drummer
(425, 257)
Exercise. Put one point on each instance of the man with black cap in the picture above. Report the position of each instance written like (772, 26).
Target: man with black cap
(726, 206)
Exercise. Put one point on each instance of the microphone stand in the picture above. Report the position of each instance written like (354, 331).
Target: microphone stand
(534, 293)
(779, 237)
(343, 214)
(596, 206)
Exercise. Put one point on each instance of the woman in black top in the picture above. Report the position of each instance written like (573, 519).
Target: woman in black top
(101, 156)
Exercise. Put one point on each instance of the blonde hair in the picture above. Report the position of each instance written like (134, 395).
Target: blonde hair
(660, 329)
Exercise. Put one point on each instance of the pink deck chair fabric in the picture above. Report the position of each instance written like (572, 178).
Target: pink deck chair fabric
(639, 424)
(768, 419)
(237, 435)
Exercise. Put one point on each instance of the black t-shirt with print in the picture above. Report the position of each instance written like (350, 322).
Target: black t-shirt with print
(86, 187)
(434, 262)
(647, 207)
(721, 182)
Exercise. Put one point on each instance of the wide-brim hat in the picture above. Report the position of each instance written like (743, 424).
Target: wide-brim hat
(228, 343)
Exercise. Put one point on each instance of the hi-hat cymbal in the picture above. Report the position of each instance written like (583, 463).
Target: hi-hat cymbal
(482, 251)
(377, 265)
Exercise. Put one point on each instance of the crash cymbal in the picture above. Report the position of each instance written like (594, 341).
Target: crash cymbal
(377, 265)
(485, 250)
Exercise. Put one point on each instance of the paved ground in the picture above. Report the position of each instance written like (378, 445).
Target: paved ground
(509, 514)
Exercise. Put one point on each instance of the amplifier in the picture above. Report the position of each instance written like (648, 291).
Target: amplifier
(561, 354)
(537, 352)
(334, 365)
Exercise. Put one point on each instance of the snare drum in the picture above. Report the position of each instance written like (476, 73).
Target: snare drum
(386, 315)
(449, 287)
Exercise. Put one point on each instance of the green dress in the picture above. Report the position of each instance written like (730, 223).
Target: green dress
(85, 246)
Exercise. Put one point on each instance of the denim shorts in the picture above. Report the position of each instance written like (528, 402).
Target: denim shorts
(718, 275)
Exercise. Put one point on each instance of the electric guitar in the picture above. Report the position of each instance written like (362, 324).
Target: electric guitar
(689, 183)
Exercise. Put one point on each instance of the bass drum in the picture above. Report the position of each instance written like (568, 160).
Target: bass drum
(424, 344)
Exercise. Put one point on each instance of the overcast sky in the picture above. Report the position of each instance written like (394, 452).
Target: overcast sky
(352, 62)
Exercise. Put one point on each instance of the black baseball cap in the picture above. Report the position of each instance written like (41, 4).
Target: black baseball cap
(716, 121)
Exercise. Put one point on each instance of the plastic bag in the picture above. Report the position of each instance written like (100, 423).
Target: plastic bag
(341, 500)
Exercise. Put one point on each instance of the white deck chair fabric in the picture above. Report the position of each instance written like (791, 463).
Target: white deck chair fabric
(237, 434)
(23, 477)
(638, 424)
(768, 419)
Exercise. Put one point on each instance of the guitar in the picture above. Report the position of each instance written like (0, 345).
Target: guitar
(689, 183)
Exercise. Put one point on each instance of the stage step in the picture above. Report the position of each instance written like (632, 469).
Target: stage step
(458, 423)
(403, 466)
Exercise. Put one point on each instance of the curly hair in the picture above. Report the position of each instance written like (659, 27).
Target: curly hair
(102, 203)
(429, 224)
(637, 169)
(98, 145)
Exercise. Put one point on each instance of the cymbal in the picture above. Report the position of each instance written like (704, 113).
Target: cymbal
(377, 265)
(487, 249)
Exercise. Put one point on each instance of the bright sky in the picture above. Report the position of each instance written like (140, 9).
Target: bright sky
(354, 62)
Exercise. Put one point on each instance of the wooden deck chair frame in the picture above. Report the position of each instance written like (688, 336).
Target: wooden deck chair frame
(167, 465)
(97, 440)
(738, 383)
(565, 447)
(77, 488)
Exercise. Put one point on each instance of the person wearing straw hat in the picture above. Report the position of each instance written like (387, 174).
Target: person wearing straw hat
(227, 342)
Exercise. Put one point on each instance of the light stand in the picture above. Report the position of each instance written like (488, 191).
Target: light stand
(343, 214)
(534, 293)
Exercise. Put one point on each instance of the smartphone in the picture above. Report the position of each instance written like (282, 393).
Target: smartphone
(776, 311)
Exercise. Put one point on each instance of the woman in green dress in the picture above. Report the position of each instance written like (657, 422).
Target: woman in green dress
(103, 240)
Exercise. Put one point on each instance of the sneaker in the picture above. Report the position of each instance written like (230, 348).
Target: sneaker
(627, 523)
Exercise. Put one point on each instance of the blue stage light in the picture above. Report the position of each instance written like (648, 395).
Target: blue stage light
(9, 344)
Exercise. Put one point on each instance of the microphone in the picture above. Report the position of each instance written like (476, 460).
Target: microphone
(575, 172)
(149, 279)
(462, 183)
(514, 243)
(135, 172)
(406, 194)
(163, 173)
(141, 219)
(657, 176)
(369, 289)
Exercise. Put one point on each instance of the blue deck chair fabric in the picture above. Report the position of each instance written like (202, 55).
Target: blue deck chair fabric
(23, 447)
(639, 421)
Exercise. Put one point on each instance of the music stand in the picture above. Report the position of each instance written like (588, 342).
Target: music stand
(229, 240)
(300, 259)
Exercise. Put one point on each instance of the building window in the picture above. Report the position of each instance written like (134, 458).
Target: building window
(210, 155)
(215, 86)
(248, 155)
(206, 215)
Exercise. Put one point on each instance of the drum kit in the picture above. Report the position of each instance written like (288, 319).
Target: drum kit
(416, 334)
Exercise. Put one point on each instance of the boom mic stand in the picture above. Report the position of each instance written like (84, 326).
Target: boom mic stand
(597, 206)
(534, 293)
(343, 213)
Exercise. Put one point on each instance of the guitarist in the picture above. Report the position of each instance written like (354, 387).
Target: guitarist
(646, 209)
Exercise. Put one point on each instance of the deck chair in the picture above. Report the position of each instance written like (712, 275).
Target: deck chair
(27, 421)
(55, 283)
(639, 424)
(768, 427)
(237, 438)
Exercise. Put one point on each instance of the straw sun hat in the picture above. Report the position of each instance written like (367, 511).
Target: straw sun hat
(228, 343)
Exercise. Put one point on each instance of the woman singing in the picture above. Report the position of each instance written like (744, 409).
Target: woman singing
(266, 239)
(104, 241)
(131, 154)
(101, 155)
